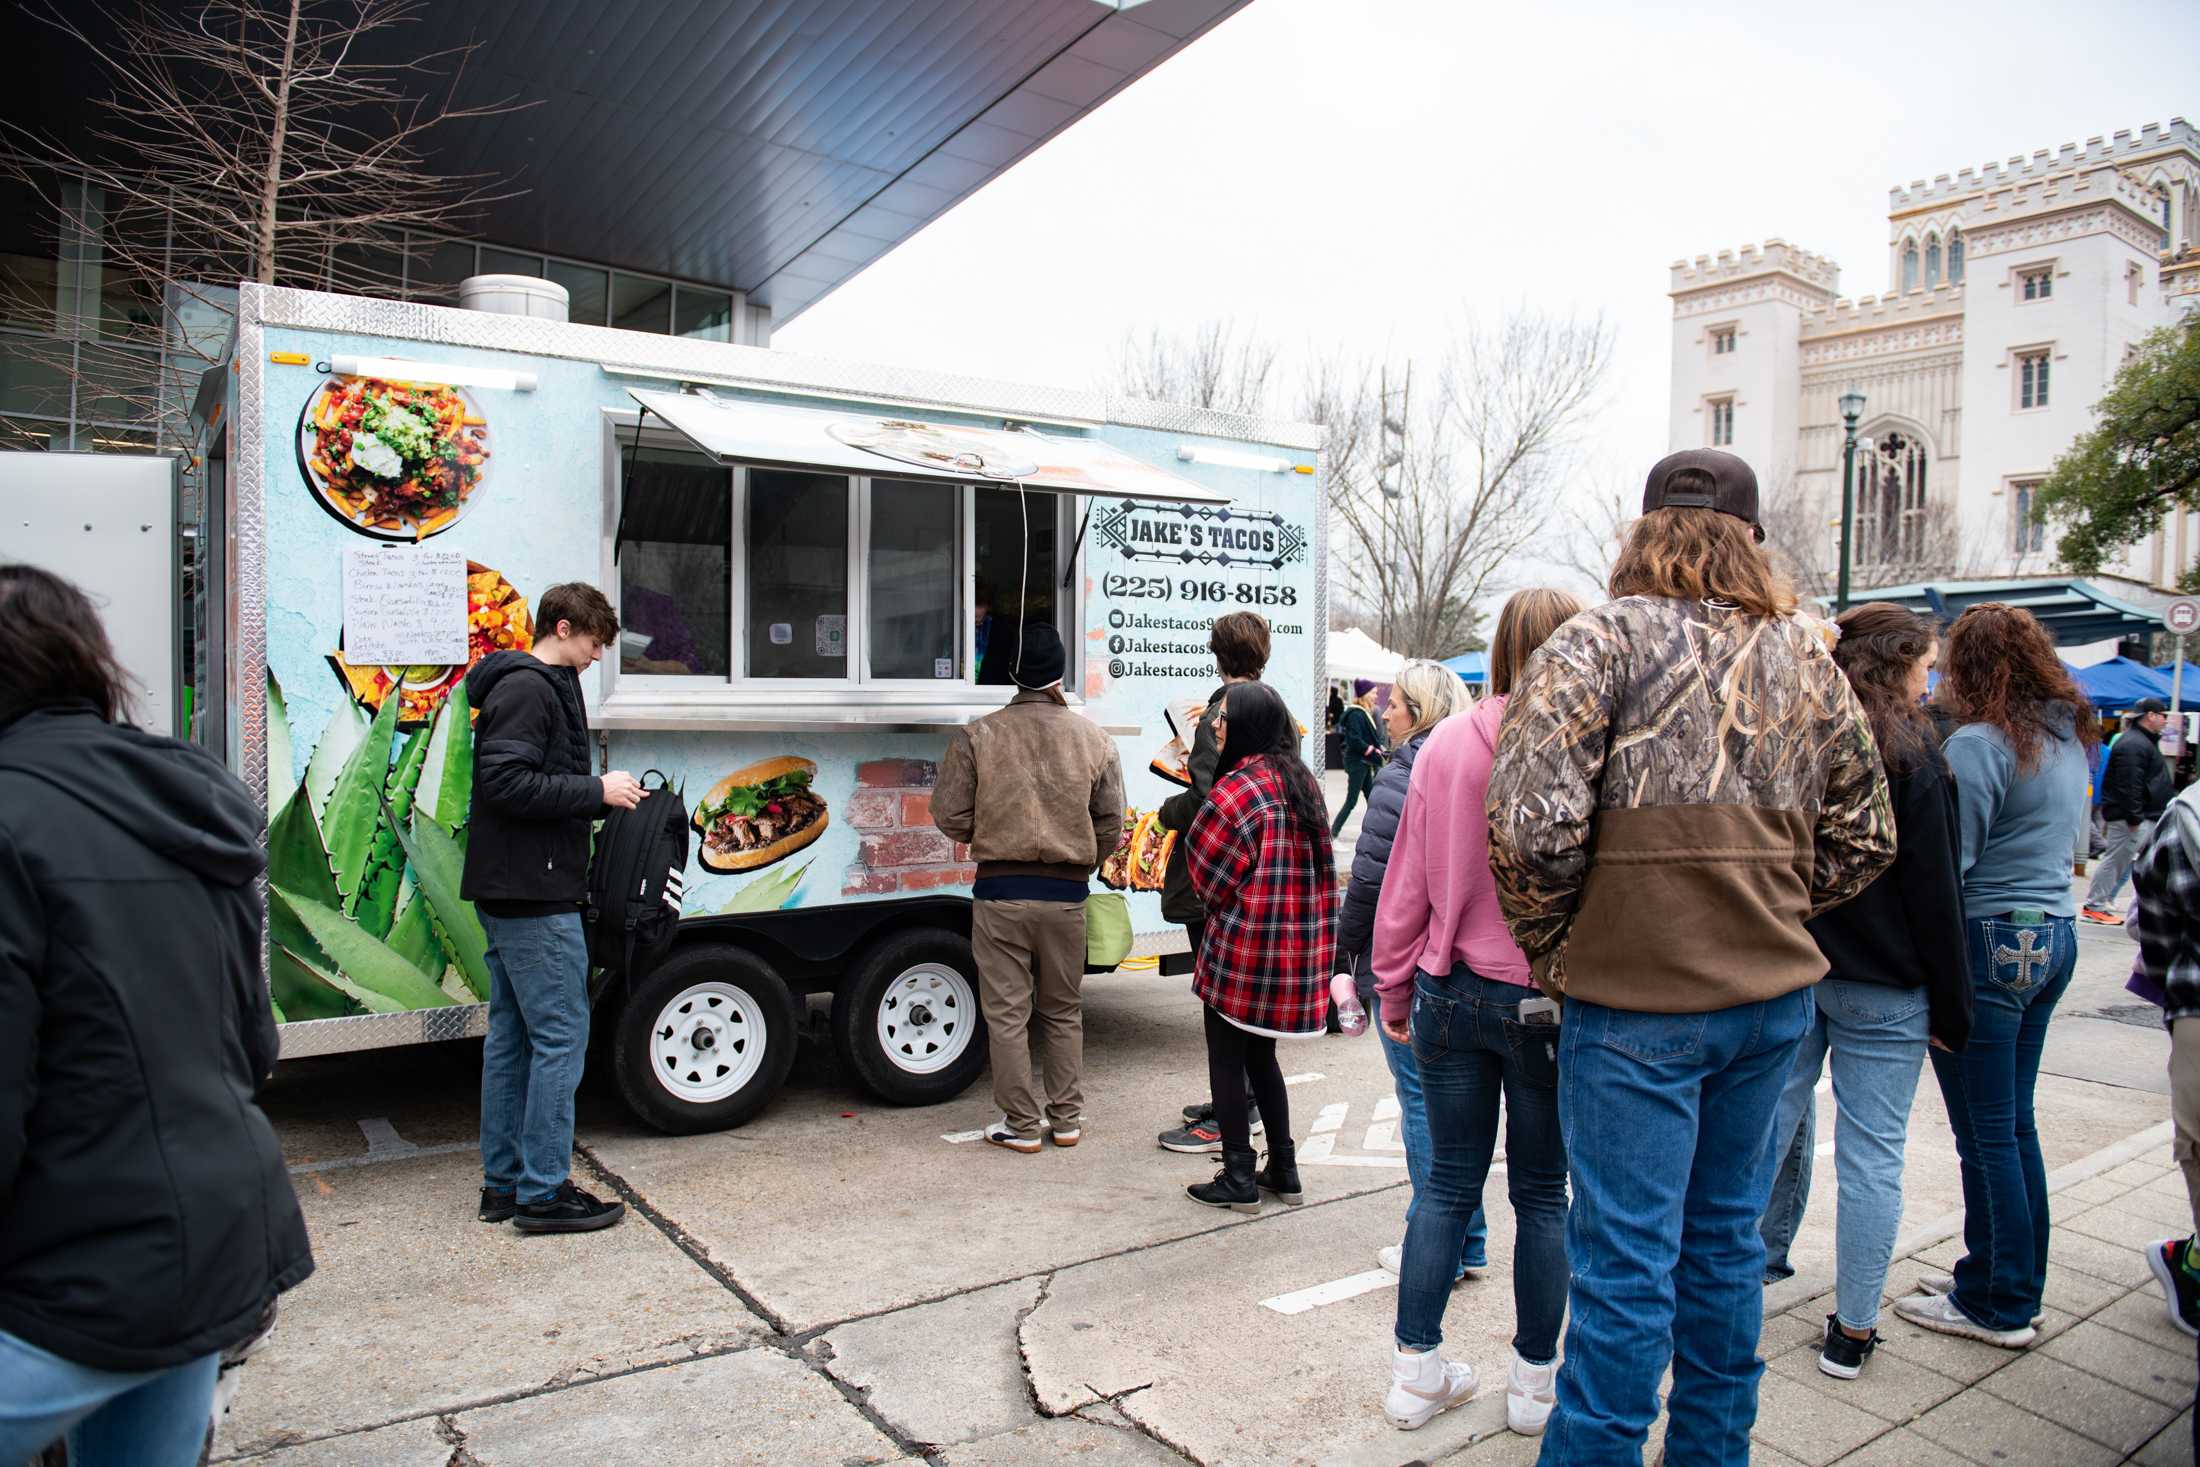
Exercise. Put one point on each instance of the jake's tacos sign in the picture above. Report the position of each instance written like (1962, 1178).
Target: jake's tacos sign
(1199, 534)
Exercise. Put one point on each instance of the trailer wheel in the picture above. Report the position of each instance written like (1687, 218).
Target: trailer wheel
(705, 1040)
(906, 1018)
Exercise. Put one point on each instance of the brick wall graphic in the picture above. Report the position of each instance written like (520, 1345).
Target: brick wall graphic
(898, 849)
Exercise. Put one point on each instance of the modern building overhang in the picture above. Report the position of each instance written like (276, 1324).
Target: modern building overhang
(2075, 612)
(776, 147)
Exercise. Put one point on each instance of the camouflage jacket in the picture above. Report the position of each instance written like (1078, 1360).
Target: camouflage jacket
(1678, 786)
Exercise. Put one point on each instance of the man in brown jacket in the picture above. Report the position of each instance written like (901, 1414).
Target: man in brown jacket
(1683, 778)
(1036, 792)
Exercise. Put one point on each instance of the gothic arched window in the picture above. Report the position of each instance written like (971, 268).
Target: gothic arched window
(1932, 261)
(1909, 266)
(2161, 195)
(1955, 257)
(1892, 515)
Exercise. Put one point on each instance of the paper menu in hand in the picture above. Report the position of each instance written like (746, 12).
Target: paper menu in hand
(1172, 761)
(404, 607)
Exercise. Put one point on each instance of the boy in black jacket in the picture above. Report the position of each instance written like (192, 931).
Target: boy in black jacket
(527, 875)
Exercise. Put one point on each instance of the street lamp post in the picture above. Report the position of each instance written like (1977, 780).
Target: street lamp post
(1852, 408)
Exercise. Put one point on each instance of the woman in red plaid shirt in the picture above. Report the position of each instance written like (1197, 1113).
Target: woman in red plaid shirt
(1260, 858)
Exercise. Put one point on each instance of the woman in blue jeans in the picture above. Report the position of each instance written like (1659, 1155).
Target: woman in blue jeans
(1896, 977)
(1425, 694)
(1453, 984)
(2020, 761)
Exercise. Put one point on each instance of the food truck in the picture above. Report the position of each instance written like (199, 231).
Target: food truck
(821, 571)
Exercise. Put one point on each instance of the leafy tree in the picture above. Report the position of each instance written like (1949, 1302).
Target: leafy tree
(2140, 460)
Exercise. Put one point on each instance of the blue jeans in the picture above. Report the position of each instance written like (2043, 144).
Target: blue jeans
(1877, 1038)
(2017, 975)
(1668, 1126)
(1790, 1192)
(144, 1418)
(1405, 1078)
(1470, 1045)
(538, 1042)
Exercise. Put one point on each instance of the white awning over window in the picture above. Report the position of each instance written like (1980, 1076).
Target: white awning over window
(779, 436)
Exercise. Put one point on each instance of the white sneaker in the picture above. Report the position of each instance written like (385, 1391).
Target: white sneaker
(1000, 1133)
(1389, 1258)
(1422, 1385)
(1938, 1312)
(1945, 1283)
(1530, 1393)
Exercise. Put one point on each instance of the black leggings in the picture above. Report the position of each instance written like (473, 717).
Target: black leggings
(1234, 1060)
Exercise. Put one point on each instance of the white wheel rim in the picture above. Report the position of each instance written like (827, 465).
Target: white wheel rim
(925, 1018)
(707, 1043)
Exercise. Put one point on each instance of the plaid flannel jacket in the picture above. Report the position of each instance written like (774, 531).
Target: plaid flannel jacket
(2168, 881)
(1270, 888)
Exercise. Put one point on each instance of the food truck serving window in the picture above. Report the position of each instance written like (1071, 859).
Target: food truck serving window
(791, 578)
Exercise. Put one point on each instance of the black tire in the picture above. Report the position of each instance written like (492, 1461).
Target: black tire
(905, 1078)
(732, 1026)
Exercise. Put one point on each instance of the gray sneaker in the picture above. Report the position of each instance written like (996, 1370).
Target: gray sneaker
(1938, 1312)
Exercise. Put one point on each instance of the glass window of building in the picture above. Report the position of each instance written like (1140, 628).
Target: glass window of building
(587, 291)
(639, 303)
(2032, 379)
(704, 314)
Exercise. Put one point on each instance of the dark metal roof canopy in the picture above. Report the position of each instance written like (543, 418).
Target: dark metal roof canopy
(2074, 612)
(776, 146)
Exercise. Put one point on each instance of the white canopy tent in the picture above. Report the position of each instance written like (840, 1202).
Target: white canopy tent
(1355, 654)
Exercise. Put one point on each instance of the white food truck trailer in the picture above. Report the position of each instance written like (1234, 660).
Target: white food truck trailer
(821, 570)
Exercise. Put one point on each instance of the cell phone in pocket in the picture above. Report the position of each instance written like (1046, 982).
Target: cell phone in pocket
(1539, 1010)
(2029, 917)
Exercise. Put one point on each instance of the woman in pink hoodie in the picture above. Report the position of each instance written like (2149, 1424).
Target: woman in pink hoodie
(1452, 983)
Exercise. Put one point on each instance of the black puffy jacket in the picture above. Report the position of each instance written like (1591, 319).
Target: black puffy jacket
(2138, 785)
(145, 1215)
(527, 838)
(1386, 802)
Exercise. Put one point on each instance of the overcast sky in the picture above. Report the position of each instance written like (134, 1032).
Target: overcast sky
(1353, 174)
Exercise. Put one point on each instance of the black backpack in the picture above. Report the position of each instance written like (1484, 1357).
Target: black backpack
(635, 882)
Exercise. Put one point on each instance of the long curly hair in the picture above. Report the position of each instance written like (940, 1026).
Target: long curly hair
(2001, 669)
(1880, 643)
(1696, 555)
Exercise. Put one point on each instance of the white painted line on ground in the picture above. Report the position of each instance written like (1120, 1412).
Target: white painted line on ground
(376, 1158)
(956, 1138)
(1824, 1148)
(1332, 1292)
(383, 1140)
(1382, 1135)
(1306, 1079)
(1308, 1158)
(1825, 1085)
(1331, 1119)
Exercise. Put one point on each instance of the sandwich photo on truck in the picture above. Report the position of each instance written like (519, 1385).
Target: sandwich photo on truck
(821, 572)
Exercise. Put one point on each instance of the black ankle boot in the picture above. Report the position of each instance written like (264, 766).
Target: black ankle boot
(1281, 1175)
(1232, 1187)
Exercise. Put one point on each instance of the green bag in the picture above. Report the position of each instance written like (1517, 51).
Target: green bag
(1107, 929)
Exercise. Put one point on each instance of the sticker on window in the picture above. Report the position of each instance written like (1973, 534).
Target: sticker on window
(832, 636)
(943, 667)
(782, 634)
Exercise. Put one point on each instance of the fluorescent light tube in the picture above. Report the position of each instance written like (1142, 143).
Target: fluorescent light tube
(444, 374)
(1223, 458)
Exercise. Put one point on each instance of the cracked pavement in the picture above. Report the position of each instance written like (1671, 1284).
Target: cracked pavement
(836, 1283)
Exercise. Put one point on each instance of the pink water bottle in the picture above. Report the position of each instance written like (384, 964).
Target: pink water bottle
(1351, 1018)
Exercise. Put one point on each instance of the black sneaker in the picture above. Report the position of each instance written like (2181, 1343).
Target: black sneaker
(2180, 1290)
(497, 1205)
(571, 1211)
(1194, 1114)
(1201, 1135)
(1843, 1356)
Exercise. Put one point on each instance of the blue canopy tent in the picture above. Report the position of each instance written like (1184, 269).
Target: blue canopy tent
(1473, 667)
(2120, 682)
(2191, 689)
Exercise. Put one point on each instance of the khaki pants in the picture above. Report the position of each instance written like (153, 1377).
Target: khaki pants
(1031, 956)
(2184, 1106)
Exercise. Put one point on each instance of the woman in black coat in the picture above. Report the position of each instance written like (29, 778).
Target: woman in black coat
(1425, 694)
(146, 1220)
(1363, 753)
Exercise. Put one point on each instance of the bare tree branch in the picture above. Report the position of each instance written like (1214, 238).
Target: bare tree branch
(236, 140)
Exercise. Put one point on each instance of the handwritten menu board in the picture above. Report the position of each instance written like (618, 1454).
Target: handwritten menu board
(404, 606)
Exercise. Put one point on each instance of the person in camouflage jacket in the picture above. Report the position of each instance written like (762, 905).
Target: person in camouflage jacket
(1682, 779)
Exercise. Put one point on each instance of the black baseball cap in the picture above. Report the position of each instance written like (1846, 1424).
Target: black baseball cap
(1733, 485)
(2149, 705)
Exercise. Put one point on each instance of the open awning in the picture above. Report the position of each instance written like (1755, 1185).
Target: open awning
(2075, 612)
(775, 435)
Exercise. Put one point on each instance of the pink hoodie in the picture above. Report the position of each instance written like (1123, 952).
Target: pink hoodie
(1438, 905)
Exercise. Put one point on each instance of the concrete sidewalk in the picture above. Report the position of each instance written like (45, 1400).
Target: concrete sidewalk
(2109, 1381)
